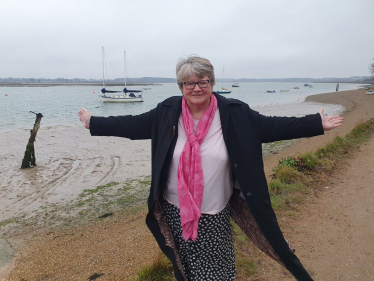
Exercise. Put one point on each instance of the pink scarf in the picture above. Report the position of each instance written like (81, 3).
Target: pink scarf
(190, 178)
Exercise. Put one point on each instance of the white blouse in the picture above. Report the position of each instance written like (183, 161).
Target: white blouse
(216, 168)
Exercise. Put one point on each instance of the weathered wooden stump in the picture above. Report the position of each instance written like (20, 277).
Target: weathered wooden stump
(29, 158)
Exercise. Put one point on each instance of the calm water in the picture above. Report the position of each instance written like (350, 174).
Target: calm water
(60, 105)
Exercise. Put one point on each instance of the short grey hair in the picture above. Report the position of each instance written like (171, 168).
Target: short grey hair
(194, 64)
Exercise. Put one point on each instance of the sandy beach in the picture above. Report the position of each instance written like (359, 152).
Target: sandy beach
(70, 162)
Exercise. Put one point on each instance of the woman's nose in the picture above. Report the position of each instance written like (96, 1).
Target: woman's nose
(197, 88)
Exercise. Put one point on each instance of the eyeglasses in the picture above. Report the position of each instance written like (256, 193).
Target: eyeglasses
(191, 85)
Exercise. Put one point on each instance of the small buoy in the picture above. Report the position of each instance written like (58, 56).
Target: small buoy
(40, 92)
(96, 106)
(6, 95)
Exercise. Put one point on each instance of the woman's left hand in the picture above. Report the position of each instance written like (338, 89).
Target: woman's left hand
(330, 122)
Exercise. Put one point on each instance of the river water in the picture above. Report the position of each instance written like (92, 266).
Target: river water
(60, 104)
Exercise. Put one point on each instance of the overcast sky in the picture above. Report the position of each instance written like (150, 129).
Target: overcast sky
(251, 38)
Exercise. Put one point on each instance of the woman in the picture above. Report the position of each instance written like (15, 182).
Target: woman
(207, 166)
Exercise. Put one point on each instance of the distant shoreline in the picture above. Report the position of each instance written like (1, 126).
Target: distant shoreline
(364, 83)
(71, 84)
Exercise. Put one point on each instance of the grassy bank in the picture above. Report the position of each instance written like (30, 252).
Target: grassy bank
(296, 176)
(293, 178)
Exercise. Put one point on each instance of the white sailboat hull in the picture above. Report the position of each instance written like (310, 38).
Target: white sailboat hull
(127, 96)
(120, 98)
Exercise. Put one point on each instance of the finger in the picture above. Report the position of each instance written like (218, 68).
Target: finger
(339, 123)
(321, 111)
(335, 118)
(338, 120)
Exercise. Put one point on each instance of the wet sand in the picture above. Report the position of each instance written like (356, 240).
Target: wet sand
(69, 160)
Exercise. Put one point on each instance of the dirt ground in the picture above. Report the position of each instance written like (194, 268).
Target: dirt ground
(333, 231)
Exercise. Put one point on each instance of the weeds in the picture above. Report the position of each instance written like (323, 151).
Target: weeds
(294, 174)
(160, 270)
(87, 192)
(244, 264)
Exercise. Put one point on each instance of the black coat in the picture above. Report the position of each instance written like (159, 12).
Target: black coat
(244, 130)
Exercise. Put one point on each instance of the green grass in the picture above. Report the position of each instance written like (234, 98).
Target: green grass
(131, 195)
(8, 221)
(160, 270)
(87, 192)
(294, 175)
(244, 264)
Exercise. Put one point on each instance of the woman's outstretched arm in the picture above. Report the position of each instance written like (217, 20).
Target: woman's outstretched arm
(284, 128)
(129, 126)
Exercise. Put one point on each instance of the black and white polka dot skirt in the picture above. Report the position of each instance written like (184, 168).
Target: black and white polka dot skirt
(212, 255)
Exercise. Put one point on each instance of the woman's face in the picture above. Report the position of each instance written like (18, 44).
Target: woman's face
(197, 97)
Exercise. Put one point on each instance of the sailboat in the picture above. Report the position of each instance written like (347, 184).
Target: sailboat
(127, 96)
(223, 90)
(235, 84)
(125, 90)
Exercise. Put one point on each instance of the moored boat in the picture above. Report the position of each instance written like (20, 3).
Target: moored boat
(122, 98)
(127, 96)
(223, 92)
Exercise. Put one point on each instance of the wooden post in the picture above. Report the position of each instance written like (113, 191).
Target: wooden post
(29, 158)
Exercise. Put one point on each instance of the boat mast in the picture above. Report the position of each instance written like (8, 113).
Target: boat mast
(103, 55)
(223, 74)
(125, 66)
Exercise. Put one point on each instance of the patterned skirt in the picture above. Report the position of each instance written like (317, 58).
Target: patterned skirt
(212, 255)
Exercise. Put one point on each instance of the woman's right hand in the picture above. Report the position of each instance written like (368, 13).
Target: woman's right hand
(84, 117)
